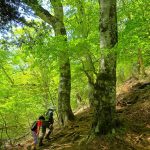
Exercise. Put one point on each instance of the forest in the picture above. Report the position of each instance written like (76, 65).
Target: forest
(87, 59)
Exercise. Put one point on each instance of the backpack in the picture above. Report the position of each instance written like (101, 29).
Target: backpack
(49, 115)
(34, 126)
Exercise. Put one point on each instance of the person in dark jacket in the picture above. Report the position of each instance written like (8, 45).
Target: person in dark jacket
(49, 122)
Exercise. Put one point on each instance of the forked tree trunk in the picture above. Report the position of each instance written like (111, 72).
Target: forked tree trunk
(105, 86)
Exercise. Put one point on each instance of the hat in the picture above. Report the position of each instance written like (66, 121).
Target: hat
(41, 118)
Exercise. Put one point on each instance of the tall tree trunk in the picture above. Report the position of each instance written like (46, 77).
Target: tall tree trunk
(64, 108)
(56, 21)
(105, 86)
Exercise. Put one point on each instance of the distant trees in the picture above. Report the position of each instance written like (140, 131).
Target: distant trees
(133, 47)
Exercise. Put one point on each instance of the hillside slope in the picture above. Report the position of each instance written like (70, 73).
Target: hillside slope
(133, 110)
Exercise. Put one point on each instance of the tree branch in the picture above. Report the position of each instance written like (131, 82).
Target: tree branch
(58, 9)
(41, 12)
(87, 73)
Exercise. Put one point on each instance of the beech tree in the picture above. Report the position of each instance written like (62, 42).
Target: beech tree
(56, 21)
(105, 86)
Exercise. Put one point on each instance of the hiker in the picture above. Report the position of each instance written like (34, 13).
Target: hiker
(35, 129)
(49, 122)
(42, 133)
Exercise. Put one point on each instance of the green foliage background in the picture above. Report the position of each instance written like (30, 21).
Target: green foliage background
(29, 60)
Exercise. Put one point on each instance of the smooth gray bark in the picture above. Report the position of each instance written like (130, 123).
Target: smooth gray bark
(105, 86)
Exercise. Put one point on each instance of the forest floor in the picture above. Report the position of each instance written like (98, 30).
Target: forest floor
(133, 111)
